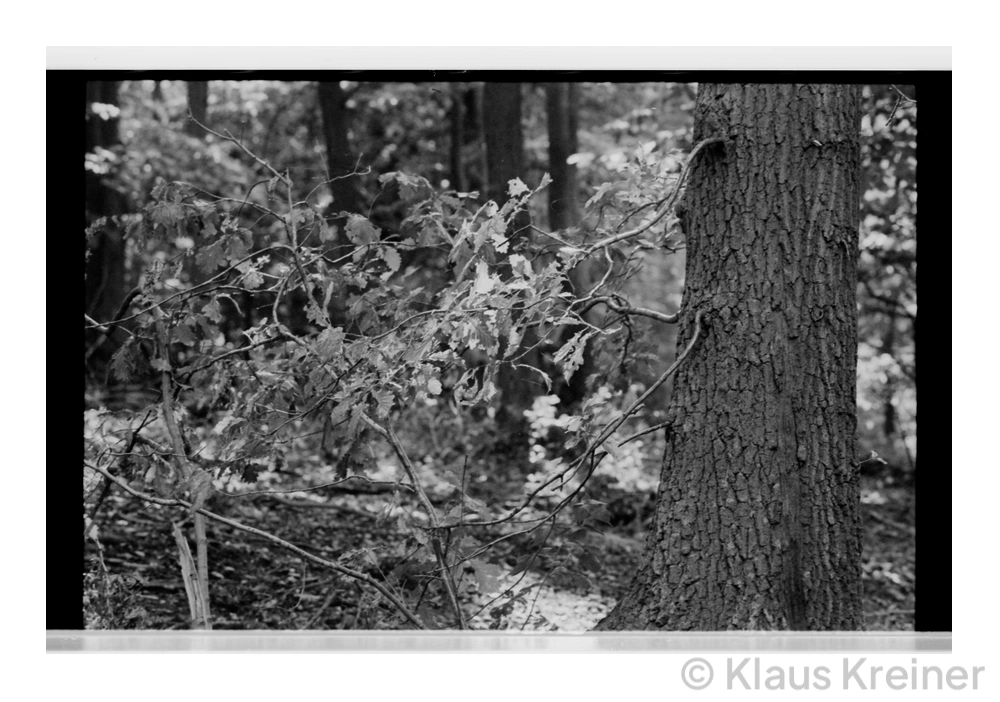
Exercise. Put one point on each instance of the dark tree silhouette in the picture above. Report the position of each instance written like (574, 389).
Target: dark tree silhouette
(561, 100)
(340, 161)
(105, 272)
(197, 99)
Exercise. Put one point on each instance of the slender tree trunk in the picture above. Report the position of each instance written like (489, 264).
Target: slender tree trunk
(564, 212)
(757, 519)
(889, 390)
(476, 134)
(505, 161)
(197, 99)
(561, 111)
(341, 165)
(105, 270)
(457, 117)
(341, 162)
(504, 137)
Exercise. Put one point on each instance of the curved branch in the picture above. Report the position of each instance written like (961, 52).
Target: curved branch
(435, 536)
(605, 434)
(343, 570)
(665, 208)
(629, 310)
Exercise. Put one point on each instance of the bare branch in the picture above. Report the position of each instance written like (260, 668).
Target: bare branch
(435, 535)
(343, 570)
(668, 203)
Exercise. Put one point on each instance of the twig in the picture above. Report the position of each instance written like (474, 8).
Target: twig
(301, 504)
(373, 483)
(184, 469)
(592, 448)
(668, 202)
(642, 433)
(94, 324)
(136, 438)
(663, 378)
(435, 536)
(890, 301)
(628, 309)
(343, 570)
(190, 292)
(319, 612)
(534, 600)
(108, 328)
(903, 95)
(229, 137)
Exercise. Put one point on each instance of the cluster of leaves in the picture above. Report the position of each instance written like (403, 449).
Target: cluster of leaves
(282, 332)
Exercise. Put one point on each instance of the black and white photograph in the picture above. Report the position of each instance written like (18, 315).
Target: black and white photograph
(508, 352)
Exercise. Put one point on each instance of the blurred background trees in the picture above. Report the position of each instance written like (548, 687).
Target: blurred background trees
(340, 136)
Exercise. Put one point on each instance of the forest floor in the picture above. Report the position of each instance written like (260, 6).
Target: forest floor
(256, 584)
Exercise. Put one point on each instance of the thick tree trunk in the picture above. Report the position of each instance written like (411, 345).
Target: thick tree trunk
(197, 99)
(757, 521)
(561, 112)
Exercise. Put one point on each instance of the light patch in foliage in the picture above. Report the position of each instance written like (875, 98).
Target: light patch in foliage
(487, 576)
(383, 403)
(515, 186)
(570, 356)
(227, 423)
(484, 281)
(330, 344)
(520, 266)
(410, 187)
(392, 261)
(360, 231)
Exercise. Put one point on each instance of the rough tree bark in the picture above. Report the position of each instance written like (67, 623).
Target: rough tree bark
(757, 519)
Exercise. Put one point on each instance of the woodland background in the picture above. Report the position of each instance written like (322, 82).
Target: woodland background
(141, 138)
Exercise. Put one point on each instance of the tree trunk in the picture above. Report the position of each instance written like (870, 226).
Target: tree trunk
(561, 113)
(757, 518)
(457, 117)
(341, 167)
(503, 136)
(197, 99)
(340, 162)
(504, 162)
(105, 270)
